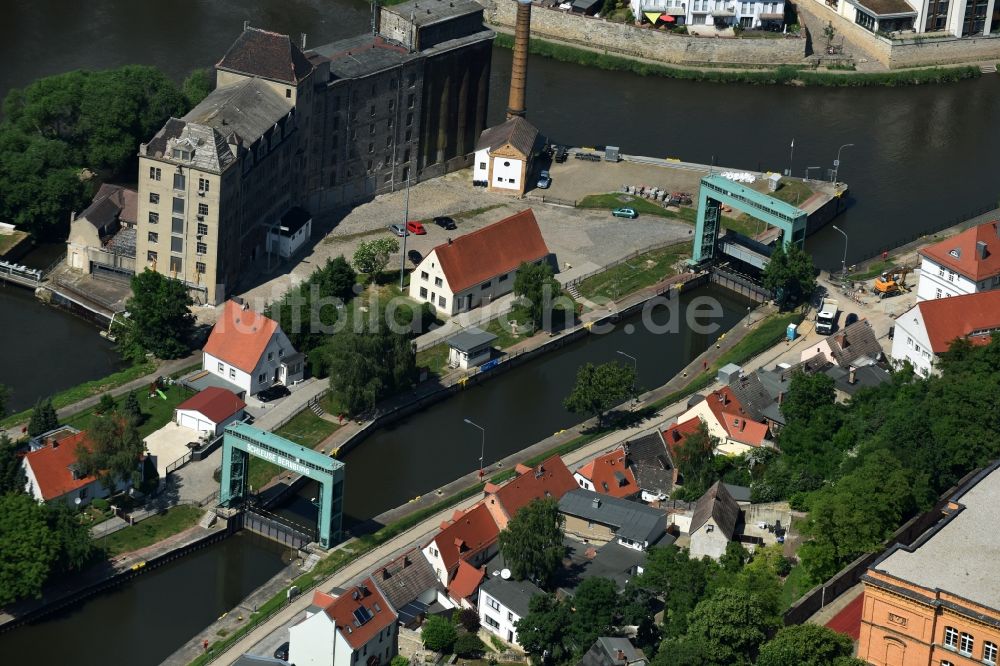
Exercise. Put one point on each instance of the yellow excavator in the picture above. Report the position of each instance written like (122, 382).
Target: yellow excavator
(891, 282)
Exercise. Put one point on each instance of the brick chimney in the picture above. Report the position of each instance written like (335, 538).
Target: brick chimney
(519, 66)
(981, 250)
(852, 375)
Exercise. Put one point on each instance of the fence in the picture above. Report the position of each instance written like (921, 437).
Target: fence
(177, 464)
(90, 296)
(740, 284)
(21, 274)
(285, 419)
(276, 529)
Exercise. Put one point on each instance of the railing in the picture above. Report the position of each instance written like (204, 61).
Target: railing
(22, 273)
(90, 296)
(177, 464)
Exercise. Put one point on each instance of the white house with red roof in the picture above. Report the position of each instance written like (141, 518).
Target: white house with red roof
(210, 410)
(966, 263)
(726, 419)
(479, 267)
(926, 330)
(609, 474)
(52, 475)
(355, 628)
(250, 351)
(469, 536)
(550, 479)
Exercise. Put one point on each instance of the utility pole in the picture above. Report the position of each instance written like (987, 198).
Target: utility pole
(406, 216)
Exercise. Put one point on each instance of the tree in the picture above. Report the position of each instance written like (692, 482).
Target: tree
(438, 634)
(28, 548)
(469, 619)
(536, 290)
(598, 388)
(469, 646)
(197, 85)
(316, 304)
(806, 645)
(159, 319)
(829, 32)
(399, 660)
(113, 451)
(43, 418)
(595, 610)
(532, 544)
(734, 558)
(729, 628)
(806, 394)
(131, 410)
(12, 478)
(790, 275)
(75, 547)
(367, 366)
(105, 405)
(372, 256)
(680, 580)
(545, 627)
(694, 461)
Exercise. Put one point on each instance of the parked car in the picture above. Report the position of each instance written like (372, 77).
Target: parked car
(272, 393)
(852, 317)
(544, 180)
(445, 223)
(414, 257)
(415, 227)
(625, 212)
(561, 153)
(282, 652)
(398, 230)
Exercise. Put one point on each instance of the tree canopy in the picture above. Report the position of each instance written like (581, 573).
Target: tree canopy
(12, 477)
(113, 452)
(695, 455)
(790, 275)
(532, 544)
(599, 388)
(808, 645)
(43, 418)
(536, 290)
(372, 256)
(159, 320)
(369, 365)
(438, 634)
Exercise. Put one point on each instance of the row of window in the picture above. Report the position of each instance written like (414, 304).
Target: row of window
(177, 243)
(152, 256)
(180, 181)
(965, 644)
(442, 301)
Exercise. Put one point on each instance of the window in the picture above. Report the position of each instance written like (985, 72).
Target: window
(154, 218)
(151, 256)
(510, 616)
(176, 225)
(490, 621)
(371, 149)
(176, 244)
(410, 79)
(178, 206)
(482, 165)
(201, 248)
(424, 275)
(406, 155)
(937, 294)
(423, 292)
(438, 282)
(261, 376)
(202, 228)
(203, 184)
(222, 366)
(510, 180)
(200, 267)
(486, 285)
(950, 637)
(154, 198)
(179, 181)
(493, 603)
(442, 302)
(966, 644)
(153, 237)
(288, 93)
(408, 136)
(909, 342)
(232, 373)
(176, 265)
(990, 652)
(202, 209)
(951, 276)
(503, 278)
(946, 663)
(409, 119)
(154, 173)
(409, 100)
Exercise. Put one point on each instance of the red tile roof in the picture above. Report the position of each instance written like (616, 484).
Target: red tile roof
(729, 412)
(678, 432)
(466, 581)
(609, 475)
(51, 467)
(266, 54)
(216, 403)
(341, 611)
(549, 479)
(491, 251)
(970, 316)
(468, 534)
(959, 252)
(240, 337)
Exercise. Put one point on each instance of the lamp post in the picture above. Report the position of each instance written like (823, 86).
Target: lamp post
(406, 218)
(843, 262)
(836, 162)
(482, 449)
(635, 372)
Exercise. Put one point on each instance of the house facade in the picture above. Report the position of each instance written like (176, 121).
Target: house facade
(51, 474)
(713, 523)
(550, 479)
(475, 269)
(725, 13)
(608, 474)
(966, 263)
(250, 351)
(726, 419)
(291, 234)
(503, 156)
(965, 18)
(102, 237)
(595, 518)
(470, 536)
(502, 602)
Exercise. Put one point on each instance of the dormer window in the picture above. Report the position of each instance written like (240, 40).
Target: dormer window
(957, 253)
(181, 154)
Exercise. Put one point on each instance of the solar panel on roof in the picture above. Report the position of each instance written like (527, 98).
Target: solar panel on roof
(362, 614)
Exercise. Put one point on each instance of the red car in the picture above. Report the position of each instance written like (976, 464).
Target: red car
(415, 228)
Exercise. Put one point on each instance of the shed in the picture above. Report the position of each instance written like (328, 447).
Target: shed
(586, 6)
(773, 182)
(728, 373)
(211, 410)
(470, 348)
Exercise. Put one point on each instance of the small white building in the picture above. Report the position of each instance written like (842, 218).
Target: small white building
(503, 156)
(749, 15)
(713, 523)
(292, 232)
(470, 348)
(474, 269)
(52, 476)
(966, 263)
(502, 602)
(926, 330)
(250, 351)
(210, 410)
(356, 628)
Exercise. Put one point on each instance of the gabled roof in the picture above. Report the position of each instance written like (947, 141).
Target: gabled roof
(217, 404)
(716, 503)
(610, 474)
(240, 336)
(404, 579)
(550, 479)
(491, 251)
(513, 594)
(629, 520)
(363, 601)
(466, 581)
(269, 55)
(52, 467)
(612, 651)
(517, 131)
(651, 463)
(853, 342)
(959, 253)
(112, 203)
(738, 424)
(468, 534)
(967, 316)
(676, 433)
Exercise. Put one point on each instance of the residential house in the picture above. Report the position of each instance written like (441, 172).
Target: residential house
(926, 330)
(411, 587)
(52, 474)
(355, 627)
(502, 602)
(714, 522)
(474, 269)
(503, 156)
(845, 348)
(936, 602)
(596, 518)
(550, 479)
(613, 651)
(727, 420)
(740, 494)
(612, 560)
(250, 351)
(102, 237)
(291, 233)
(966, 263)
(650, 462)
(464, 586)
(210, 410)
(721, 13)
(609, 474)
(848, 381)
(470, 535)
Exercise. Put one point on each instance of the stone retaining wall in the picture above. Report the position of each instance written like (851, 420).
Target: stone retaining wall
(647, 43)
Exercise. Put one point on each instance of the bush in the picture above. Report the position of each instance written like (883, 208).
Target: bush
(438, 634)
(469, 646)
(399, 660)
(101, 504)
(784, 567)
(106, 404)
(469, 619)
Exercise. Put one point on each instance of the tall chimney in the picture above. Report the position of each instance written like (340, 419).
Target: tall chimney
(519, 67)
(852, 375)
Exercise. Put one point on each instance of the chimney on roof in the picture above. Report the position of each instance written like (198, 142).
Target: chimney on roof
(55, 444)
(449, 240)
(302, 40)
(781, 396)
(621, 655)
(597, 502)
(981, 249)
(246, 24)
(842, 340)
(852, 375)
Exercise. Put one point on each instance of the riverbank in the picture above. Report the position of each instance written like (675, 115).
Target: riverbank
(793, 75)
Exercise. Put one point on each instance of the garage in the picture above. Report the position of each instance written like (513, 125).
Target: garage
(211, 410)
(195, 421)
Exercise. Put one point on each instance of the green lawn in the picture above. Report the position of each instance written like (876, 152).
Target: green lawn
(791, 191)
(305, 429)
(174, 520)
(796, 584)
(157, 411)
(434, 359)
(641, 271)
(505, 337)
(621, 200)
(765, 336)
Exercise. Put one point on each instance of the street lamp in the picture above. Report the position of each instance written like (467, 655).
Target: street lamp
(843, 262)
(482, 450)
(406, 232)
(836, 162)
(635, 371)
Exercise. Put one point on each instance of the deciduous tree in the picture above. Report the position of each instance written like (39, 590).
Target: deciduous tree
(159, 319)
(469, 646)
(12, 478)
(113, 451)
(694, 461)
(790, 274)
(438, 634)
(368, 366)
(372, 256)
(807, 645)
(197, 85)
(28, 548)
(598, 388)
(595, 610)
(536, 290)
(729, 627)
(545, 628)
(532, 544)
